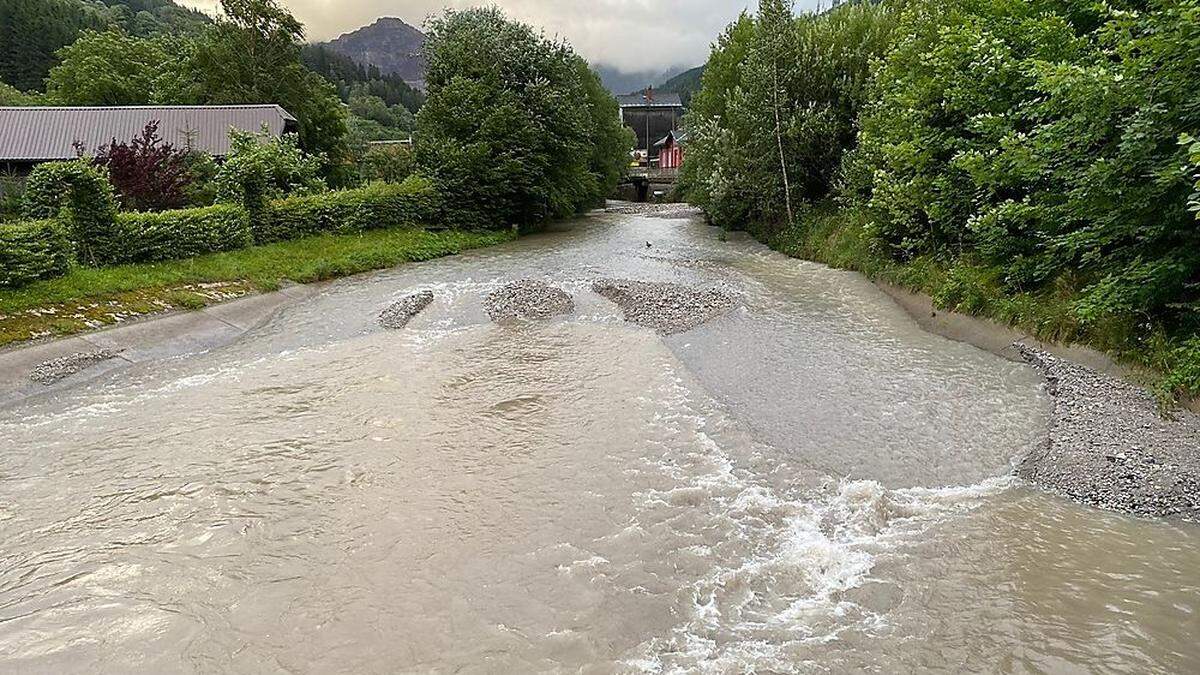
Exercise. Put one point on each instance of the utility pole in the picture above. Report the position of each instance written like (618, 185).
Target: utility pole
(649, 96)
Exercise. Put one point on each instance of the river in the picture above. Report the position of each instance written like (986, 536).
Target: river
(808, 484)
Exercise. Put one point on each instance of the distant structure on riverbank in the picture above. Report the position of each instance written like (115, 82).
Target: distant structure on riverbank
(32, 136)
(652, 116)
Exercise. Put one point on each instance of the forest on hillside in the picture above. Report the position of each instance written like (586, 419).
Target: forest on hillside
(151, 51)
(1028, 160)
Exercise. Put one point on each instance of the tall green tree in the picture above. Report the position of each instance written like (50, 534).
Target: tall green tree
(251, 54)
(113, 68)
(508, 131)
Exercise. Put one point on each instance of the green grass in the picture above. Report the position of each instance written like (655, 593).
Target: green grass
(89, 298)
(840, 237)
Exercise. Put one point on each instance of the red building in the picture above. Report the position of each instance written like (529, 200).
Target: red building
(670, 150)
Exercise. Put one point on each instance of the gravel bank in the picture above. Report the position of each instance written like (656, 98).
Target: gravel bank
(527, 299)
(1108, 446)
(667, 308)
(400, 313)
(653, 210)
(60, 369)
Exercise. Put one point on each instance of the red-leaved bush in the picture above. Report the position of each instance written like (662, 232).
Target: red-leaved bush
(148, 174)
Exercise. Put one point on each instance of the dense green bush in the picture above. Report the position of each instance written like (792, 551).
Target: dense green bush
(261, 168)
(167, 235)
(511, 132)
(411, 203)
(82, 197)
(32, 250)
(1042, 135)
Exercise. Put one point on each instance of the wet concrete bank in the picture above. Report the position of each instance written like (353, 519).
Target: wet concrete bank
(43, 367)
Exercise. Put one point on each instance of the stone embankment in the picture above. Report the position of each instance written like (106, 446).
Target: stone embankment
(1109, 445)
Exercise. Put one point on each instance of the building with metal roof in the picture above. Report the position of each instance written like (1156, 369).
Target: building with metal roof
(30, 136)
(651, 115)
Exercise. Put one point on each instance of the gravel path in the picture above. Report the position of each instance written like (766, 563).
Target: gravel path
(667, 308)
(400, 313)
(60, 369)
(1108, 445)
(527, 299)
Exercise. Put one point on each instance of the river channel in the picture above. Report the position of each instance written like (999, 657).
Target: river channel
(810, 483)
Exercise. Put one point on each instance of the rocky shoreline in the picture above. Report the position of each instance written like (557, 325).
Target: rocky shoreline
(57, 370)
(1109, 446)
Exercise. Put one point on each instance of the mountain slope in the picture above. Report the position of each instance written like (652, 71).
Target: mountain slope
(685, 84)
(389, 44)
(31, 31)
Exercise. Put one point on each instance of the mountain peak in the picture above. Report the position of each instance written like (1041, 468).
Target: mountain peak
(390, 44)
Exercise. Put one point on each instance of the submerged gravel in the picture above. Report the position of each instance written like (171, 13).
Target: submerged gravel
(665, 307)
(60, 369)
(400, 313)
(1108, 445)
(528, 299)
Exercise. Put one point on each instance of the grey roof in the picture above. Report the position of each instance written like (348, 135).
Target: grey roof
(667, 99)
(46, 134)
(679, 137)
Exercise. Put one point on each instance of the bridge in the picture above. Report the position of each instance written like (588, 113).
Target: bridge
(643, 182)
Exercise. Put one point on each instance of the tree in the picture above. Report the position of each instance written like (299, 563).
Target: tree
(772, 52)
(112, 68)
(148, 174)
(252, 55)
(507, 132)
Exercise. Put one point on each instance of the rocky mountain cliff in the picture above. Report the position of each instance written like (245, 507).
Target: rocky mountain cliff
(389, 44)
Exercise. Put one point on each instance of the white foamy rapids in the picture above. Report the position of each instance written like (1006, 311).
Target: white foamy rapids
(782, 566)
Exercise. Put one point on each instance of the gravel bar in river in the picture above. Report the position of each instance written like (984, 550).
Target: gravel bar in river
(60, 369)
(1108, 445)
(665, 307)
(401, 312)
(527, 299)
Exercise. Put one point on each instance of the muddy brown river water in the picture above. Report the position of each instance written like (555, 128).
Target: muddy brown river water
(808, 484)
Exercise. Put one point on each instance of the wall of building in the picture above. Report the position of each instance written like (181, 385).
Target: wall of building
(661, 122)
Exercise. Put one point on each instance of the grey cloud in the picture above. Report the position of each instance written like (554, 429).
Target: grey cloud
(631, 35)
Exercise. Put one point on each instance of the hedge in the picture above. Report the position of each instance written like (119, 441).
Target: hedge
(410, 203)
(32, 250)
(83, 198)
(166, 235)
(95, 235)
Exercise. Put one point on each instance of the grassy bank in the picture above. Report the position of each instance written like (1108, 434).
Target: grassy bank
(89, 298)
(839, 237)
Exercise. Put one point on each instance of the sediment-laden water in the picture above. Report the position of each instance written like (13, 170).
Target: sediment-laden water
(806, 483)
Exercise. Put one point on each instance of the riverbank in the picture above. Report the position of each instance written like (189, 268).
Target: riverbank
(1109, 443)
(1151, 354)
(89, 299)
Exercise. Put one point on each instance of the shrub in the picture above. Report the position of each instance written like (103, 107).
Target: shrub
(148, 174)
(412, 202)
(1193, 147)
(388, 163)
(261, 168)
(81, 195)
(32, 250)
(166, 235)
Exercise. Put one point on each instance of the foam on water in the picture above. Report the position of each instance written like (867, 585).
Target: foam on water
(782, 577)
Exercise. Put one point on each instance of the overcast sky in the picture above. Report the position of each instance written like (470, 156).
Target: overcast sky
(633, 35)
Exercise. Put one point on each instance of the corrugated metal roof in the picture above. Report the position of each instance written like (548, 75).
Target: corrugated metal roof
(47, 134)
(661, 100)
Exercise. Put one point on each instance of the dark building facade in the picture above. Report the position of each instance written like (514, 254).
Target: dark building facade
(652, 119)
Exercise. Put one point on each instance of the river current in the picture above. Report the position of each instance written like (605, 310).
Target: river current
(808, 484)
